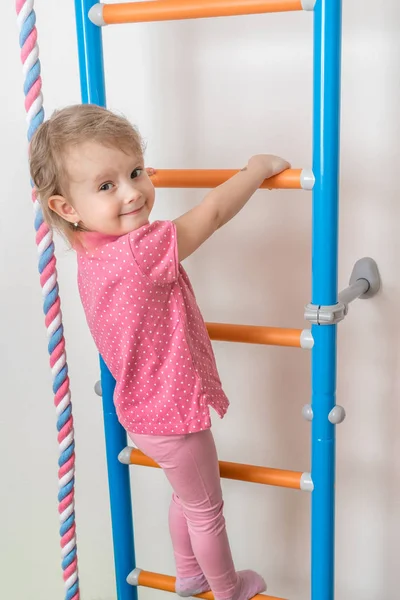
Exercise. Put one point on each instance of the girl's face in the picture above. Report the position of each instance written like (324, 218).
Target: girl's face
(109, 191)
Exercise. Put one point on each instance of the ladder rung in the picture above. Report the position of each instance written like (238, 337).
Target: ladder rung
(173, 10)
(291, 179)
(254, 334)
(156, 581)
(294, 480)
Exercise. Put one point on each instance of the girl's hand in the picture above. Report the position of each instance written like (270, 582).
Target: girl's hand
(267, 165)
(150, 171)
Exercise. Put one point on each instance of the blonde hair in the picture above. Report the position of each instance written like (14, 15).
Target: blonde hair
(69, 127)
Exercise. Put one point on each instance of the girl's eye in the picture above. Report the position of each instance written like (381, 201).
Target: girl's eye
(136, 173)
(106, 186)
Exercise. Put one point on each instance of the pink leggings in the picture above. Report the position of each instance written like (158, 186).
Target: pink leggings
(196, 519)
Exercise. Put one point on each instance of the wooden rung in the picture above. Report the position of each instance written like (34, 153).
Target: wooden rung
(157, 581)
(173, 10)
(229, 470)
(253, 334)
(211, 178)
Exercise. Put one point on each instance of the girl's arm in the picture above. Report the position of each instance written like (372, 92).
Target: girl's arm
(224, 202)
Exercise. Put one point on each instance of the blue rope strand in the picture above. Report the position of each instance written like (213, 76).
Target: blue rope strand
(66, 455)
(67, 525)
(72, 590)
(68, 559)
(46, 257)
(39, 220)
(36, 122)
(31, 77)
(66, 490)
(27, 27)
(63, 418)
(60, 378)
(50, 300)
(57, 335)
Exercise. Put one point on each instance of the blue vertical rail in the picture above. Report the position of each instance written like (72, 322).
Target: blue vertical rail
(326, 140)
(93, 91)
(120, 492)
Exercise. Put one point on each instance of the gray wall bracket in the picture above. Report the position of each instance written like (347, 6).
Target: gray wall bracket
(364, 283)
(365, 269)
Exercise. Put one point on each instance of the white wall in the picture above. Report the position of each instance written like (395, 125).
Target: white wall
(210, 94)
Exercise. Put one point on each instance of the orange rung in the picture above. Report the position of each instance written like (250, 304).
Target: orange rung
(236, 471)
(211, 178)
(172, 10)
(166, 583)
(253, 334)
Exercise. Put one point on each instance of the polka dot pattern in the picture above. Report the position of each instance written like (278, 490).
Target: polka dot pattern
(145, 321)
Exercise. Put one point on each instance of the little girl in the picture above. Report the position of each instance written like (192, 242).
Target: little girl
(87, 166)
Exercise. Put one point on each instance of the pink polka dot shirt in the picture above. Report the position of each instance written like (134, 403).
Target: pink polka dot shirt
(145, 321)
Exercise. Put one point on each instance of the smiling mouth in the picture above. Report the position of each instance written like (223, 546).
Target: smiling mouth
(133, 212)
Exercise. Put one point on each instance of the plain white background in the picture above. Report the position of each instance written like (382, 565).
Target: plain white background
(211, 93)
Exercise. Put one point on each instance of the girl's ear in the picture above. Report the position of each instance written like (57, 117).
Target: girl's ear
(63, 208)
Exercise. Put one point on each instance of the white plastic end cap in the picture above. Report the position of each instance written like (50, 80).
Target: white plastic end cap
(307, 179)
(306, 339)
(337, 415)
(96, 15)
(124, 456)
(307, 412)
(133, 577)
(308, 4)
(306, 483)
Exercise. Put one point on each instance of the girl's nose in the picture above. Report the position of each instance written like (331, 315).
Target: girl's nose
(131, 193)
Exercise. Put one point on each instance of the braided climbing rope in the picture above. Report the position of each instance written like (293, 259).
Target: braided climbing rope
(52, 310)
